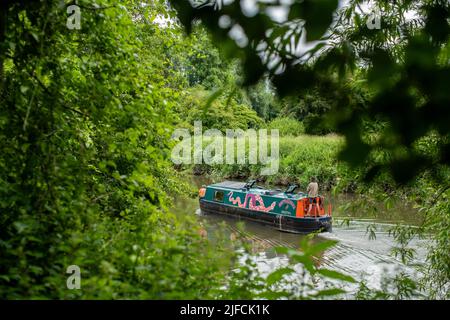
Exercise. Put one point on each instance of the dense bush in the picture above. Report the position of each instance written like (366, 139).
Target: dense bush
(85, 177)
(85, 121)
(221, 113)
(301, 158)
(287, 126)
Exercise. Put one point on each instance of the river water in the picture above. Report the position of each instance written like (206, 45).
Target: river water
(358, 253)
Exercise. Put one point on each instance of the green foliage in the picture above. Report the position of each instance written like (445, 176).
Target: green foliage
(387, 88)
(204, 65)
(301, 158)
(403, 236)
(85, 178)
(437, 221)
(296, 280)
(86, 116)
(85, 124)
(306, 257)
(218, 111)
(403, 70)
(306, 156)
(263, 99)
(287, 126)
(401, 287)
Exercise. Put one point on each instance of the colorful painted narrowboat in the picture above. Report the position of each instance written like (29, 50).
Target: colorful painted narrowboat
(285, 210)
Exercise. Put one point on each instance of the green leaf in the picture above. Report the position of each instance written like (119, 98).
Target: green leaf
(318, 15)
(336, 275)
(321, 247)
(214, 96)
(329, 292)
(34, 35)
(274, 295)
(305, 260)
(278, 275)
(20, 226)
(281, 250)
(24, 89)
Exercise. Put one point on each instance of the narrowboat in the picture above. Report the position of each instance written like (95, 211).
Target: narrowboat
(285, 210)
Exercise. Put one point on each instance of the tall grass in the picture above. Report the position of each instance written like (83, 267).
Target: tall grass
(301, 157)
(305, 156)
(287, 126)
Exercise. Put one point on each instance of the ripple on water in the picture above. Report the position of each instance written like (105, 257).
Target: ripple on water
(354, 254)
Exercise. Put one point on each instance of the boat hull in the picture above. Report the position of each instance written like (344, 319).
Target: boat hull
(280, 222)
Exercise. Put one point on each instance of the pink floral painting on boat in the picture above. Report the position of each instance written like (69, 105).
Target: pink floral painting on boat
(254, 201)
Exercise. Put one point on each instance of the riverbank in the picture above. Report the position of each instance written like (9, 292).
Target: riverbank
(304, 156)
(300, 158)
(346, 206)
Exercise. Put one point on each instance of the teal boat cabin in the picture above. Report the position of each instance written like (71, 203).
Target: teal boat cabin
(285, 210)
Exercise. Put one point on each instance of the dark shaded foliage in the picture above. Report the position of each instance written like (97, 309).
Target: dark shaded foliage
(403, 62)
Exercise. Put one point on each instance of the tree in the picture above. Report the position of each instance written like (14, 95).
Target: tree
(404, 100)
(85, 177)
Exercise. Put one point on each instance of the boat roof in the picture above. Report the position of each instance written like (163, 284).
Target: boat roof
(236, 185)
(230, 184)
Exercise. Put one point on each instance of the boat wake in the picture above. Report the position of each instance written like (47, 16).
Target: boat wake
(354, 254)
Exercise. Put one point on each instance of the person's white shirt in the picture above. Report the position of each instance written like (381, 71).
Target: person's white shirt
(313, 189)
